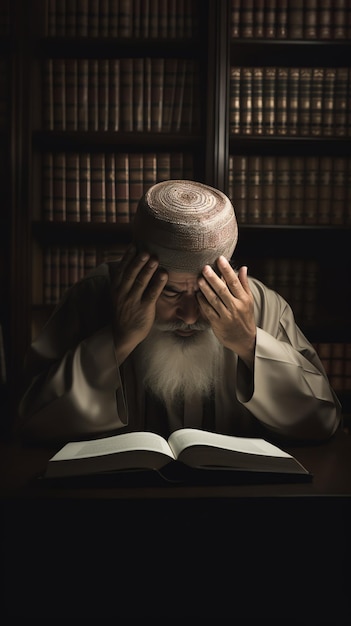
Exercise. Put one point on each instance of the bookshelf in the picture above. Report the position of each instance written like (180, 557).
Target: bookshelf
(108, 101)
(289, 162)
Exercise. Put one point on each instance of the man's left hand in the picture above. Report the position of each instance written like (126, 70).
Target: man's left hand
(228, 305)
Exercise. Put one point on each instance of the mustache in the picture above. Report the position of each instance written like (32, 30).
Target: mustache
(173, 326)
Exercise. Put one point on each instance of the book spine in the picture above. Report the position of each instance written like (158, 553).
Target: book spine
(59, 187)
(114, 95)
(339, 190)
(328, 101)
(82, 18)
(316, 101)
(163, 163)
(47, 185)
(176, 166)
(71, 18)
(136, 186)
(110, 188)
(268, 189)
(122, 187)
(296, 19)
(325, 19)
(104, 16)
(304, 110)
(246, 101)
(93, 94)
(325, 185)
(71, 84)
(157, 68)
(259, 19)
(103, 94)
(48, 95)
(150, 170)
(257, 101)
(247, 19)
(82, 94)
(339, 21)
(235, 19)
(93, 18)
(138, 94)
(310, 30)
(282, 19)
(254, 204)
(170, 81)
(293, 100)
(113, 19)
(63, 277)
(239, 164)
(72, 187)
(98, 187)
(269, 78)
(84, 187)
(341, 103)
(311, 190)
(297, 181)
(234, 101)
(59, 93)
(191, 109)
(283, 190)
(126, 94)
(281, 100)
(270, 19)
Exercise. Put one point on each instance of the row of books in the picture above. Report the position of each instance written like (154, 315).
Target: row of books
(301, 101)
(291, 19)
(64, 266)
(291, 189)
(294, 279)
(336, 359)
(120, 18)
(130, 94)
(100, 187)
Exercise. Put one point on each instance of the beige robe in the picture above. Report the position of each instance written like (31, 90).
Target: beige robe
(75, 388)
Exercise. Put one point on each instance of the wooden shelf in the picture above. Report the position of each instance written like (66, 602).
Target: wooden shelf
(292, 146)
(114, 141)
(289, 53)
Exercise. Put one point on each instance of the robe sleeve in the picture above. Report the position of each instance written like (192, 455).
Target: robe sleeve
(290, 393)
(74, 386)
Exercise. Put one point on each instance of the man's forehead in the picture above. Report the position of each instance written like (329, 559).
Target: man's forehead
(182, 281)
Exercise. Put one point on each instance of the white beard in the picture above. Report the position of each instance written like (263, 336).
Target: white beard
(173, 367)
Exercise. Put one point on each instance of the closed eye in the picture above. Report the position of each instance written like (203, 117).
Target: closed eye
(171, 294)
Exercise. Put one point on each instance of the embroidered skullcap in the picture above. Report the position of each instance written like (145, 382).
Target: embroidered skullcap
(186, 224)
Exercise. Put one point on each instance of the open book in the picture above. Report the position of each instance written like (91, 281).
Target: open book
(196, 449)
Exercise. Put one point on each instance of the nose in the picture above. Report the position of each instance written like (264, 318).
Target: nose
(188, 309)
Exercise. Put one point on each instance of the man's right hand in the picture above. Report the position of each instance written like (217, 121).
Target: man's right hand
(136, 287)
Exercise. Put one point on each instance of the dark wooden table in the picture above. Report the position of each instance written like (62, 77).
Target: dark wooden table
(279, 552)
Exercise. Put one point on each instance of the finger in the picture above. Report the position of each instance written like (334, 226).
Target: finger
(214, 295)
(137, 277)
(231, 277)
(155, 286)
(244, 278)
(218, 286)
(116, 270)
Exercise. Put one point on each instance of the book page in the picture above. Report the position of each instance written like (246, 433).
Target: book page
(126, 442)
(186, 437)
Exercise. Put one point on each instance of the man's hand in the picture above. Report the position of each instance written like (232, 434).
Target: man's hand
(136, 287)
(227, 303)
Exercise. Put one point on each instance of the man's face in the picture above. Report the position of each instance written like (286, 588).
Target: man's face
(178, 302)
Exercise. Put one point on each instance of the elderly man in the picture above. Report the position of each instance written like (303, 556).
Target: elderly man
(173, 336)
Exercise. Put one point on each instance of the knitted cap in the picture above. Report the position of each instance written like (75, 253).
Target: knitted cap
(186, 224)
